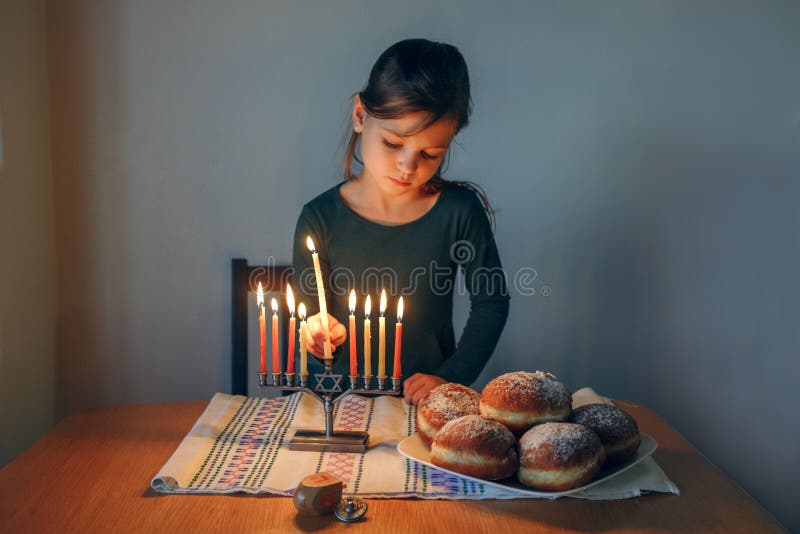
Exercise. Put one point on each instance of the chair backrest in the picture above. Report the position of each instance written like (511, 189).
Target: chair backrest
(245, 278)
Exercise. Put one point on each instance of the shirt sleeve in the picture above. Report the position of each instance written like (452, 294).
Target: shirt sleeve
(476, 253)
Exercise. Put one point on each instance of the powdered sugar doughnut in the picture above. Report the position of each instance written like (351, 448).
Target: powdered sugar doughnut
(441, 405)
(617, 430)
(559, 456)
(520, 400)
(476, 446)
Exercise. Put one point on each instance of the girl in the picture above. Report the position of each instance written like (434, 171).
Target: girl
(398, 225)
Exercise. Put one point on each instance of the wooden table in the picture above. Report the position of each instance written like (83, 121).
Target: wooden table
(92, 474)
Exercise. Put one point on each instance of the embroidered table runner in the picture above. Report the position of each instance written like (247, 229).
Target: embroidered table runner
(240, 444)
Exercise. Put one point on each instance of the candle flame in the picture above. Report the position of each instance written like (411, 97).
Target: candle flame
(260, 297)
(310, 244)
(352, 302)
(274, 304)
(367, 306)
(301, 311)
(383, 301)
(400, 310)
(290, 299)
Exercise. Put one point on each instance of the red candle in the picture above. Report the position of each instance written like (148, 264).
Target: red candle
(262, 327)
(398, 340)
(353, 355)
(276, 363)
(290, 353)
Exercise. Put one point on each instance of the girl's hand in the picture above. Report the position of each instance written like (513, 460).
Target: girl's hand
(316, 335)
(418, 385)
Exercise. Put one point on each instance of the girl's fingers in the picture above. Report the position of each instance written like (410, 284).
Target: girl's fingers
(316, 334)
(311, 344)
(338, 334)
(418, 385)
(420, 392)
(410, 386)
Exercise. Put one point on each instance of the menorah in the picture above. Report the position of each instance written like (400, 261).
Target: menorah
(329, 391)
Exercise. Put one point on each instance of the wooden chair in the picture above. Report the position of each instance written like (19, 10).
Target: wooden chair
(245, 278)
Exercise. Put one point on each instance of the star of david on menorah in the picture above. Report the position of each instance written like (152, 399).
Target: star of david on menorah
(328, 388)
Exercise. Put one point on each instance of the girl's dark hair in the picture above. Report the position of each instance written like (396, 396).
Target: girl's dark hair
(418, 75)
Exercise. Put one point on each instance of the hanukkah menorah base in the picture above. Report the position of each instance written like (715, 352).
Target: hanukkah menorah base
(328, 391)
(306, 439)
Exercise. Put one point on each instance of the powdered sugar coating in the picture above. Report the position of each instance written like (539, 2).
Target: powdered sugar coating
(476, 433)
(447, 402)
(553, 445)
(610, 423)
(476, 446)
(528, 391)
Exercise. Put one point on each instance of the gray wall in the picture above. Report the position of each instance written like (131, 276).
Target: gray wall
(28, 299)
(643, 158)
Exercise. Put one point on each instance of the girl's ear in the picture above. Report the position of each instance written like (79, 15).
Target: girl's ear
(359, 114)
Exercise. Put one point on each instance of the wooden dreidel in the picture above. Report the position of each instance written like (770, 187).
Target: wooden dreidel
(318, 494)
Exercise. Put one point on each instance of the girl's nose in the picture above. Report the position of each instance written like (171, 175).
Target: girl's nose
(407, 164)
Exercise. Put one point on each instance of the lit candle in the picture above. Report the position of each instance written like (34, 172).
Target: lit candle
(290, 352)
(323, 307)
(276, 363)
(398, 340)
(367, 339)
(353, 356)
(262, 328)
(382, 337)
(301, 311)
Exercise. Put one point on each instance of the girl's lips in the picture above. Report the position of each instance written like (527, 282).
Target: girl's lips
(399, 182)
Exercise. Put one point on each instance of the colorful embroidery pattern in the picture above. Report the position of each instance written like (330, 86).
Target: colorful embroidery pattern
(249, 453)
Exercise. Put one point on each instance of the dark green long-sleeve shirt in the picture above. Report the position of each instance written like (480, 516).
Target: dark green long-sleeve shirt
(418, 260)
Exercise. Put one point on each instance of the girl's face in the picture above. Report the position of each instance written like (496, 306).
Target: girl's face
(395, 161)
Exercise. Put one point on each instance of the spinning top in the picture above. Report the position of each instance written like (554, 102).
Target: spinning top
(351, 509)
(318, 494)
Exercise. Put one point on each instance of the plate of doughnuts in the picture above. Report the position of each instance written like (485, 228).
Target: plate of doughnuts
(521, 434)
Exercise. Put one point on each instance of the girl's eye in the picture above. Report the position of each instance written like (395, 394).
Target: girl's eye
(390, 144)
(395, 146)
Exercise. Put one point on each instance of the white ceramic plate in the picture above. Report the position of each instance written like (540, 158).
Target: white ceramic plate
(413, 447)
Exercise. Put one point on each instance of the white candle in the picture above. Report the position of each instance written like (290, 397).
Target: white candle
(367, 339)
(323, 307)
(352, 325)
(382, 337)
(301, 311)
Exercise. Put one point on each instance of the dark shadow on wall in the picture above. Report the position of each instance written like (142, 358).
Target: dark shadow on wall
(86, 87)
